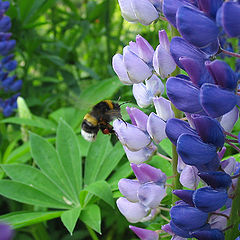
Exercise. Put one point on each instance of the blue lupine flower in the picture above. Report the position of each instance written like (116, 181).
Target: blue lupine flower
(211, 234)
(197, 147)
(211, 94)
(8, 81)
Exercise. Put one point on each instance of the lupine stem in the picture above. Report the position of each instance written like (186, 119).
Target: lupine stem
(234, 219)
(230, 53)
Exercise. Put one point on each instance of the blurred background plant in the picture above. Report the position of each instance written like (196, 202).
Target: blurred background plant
(64, 52)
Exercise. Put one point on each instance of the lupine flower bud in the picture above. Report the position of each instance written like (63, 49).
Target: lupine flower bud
(163, 108)
(163, 62)
(140, 156)
(133, 212)
(146, 173)
(151, 194)
(208, 200)
(129, 188)
(131, 136)
(156, 128)
(144, 234)
(138, 11)
(189, 177)
(228, 18)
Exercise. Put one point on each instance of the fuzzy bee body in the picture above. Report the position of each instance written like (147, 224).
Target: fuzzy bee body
(98, 119)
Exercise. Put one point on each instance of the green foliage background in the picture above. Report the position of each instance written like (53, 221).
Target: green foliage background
(64, 52)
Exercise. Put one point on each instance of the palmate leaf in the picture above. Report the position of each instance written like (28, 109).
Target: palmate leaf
(33, 177)
(28, 194)
(49, 162)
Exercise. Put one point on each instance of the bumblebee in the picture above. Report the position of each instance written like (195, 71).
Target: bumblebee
(98, 119)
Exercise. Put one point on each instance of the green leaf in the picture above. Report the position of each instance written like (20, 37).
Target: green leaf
(20, 154)
(28, 194)
(71, 115)
(102, 190)
(33, 177)
(24, 219)
(94, 93)
(35, 122)
(96, 155)
(91, 216)
(70, 217)
(69, 152)
(47, 159)
(110, 162)
(166, 146)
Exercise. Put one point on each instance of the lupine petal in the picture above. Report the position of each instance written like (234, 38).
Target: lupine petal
(156, 128)
(146, 173)
(189, 177)
(138, 117)
(151, 194)
(194, 152)
(137, 69)
(145, 50)
(170, 8)
(163, 108)
(120, 69)
(142, 155)
(222, 73)
(216, 101)
(179, 231)
(176, 127)
(127, 11)
(211, 234)
(196, 23)
(217, 180)
(210, 7)
(142, 95)
(144, 10)
(184, 95)
(209, 130)
(187, 217)
(219, 221)
(5, 24)
(229, 165)
(181, 48)
(155, 85)
(185, 195)
(144, 234)
(229, 119)
(208, 200)
(131, 136)
(129, 188)
(228, 17)
(133, 212)
(196, 71)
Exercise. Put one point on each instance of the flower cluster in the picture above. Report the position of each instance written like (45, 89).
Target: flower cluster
(8, 81)
(208, 95)
(142, 196)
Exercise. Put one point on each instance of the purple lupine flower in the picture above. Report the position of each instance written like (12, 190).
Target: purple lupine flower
(6, 232)
(163, 62)
(142, 195)
(211, 234)
(135, 65)
(219, 221)
(144, 11)
(189, 177)
(144, 234)
(144, 93)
